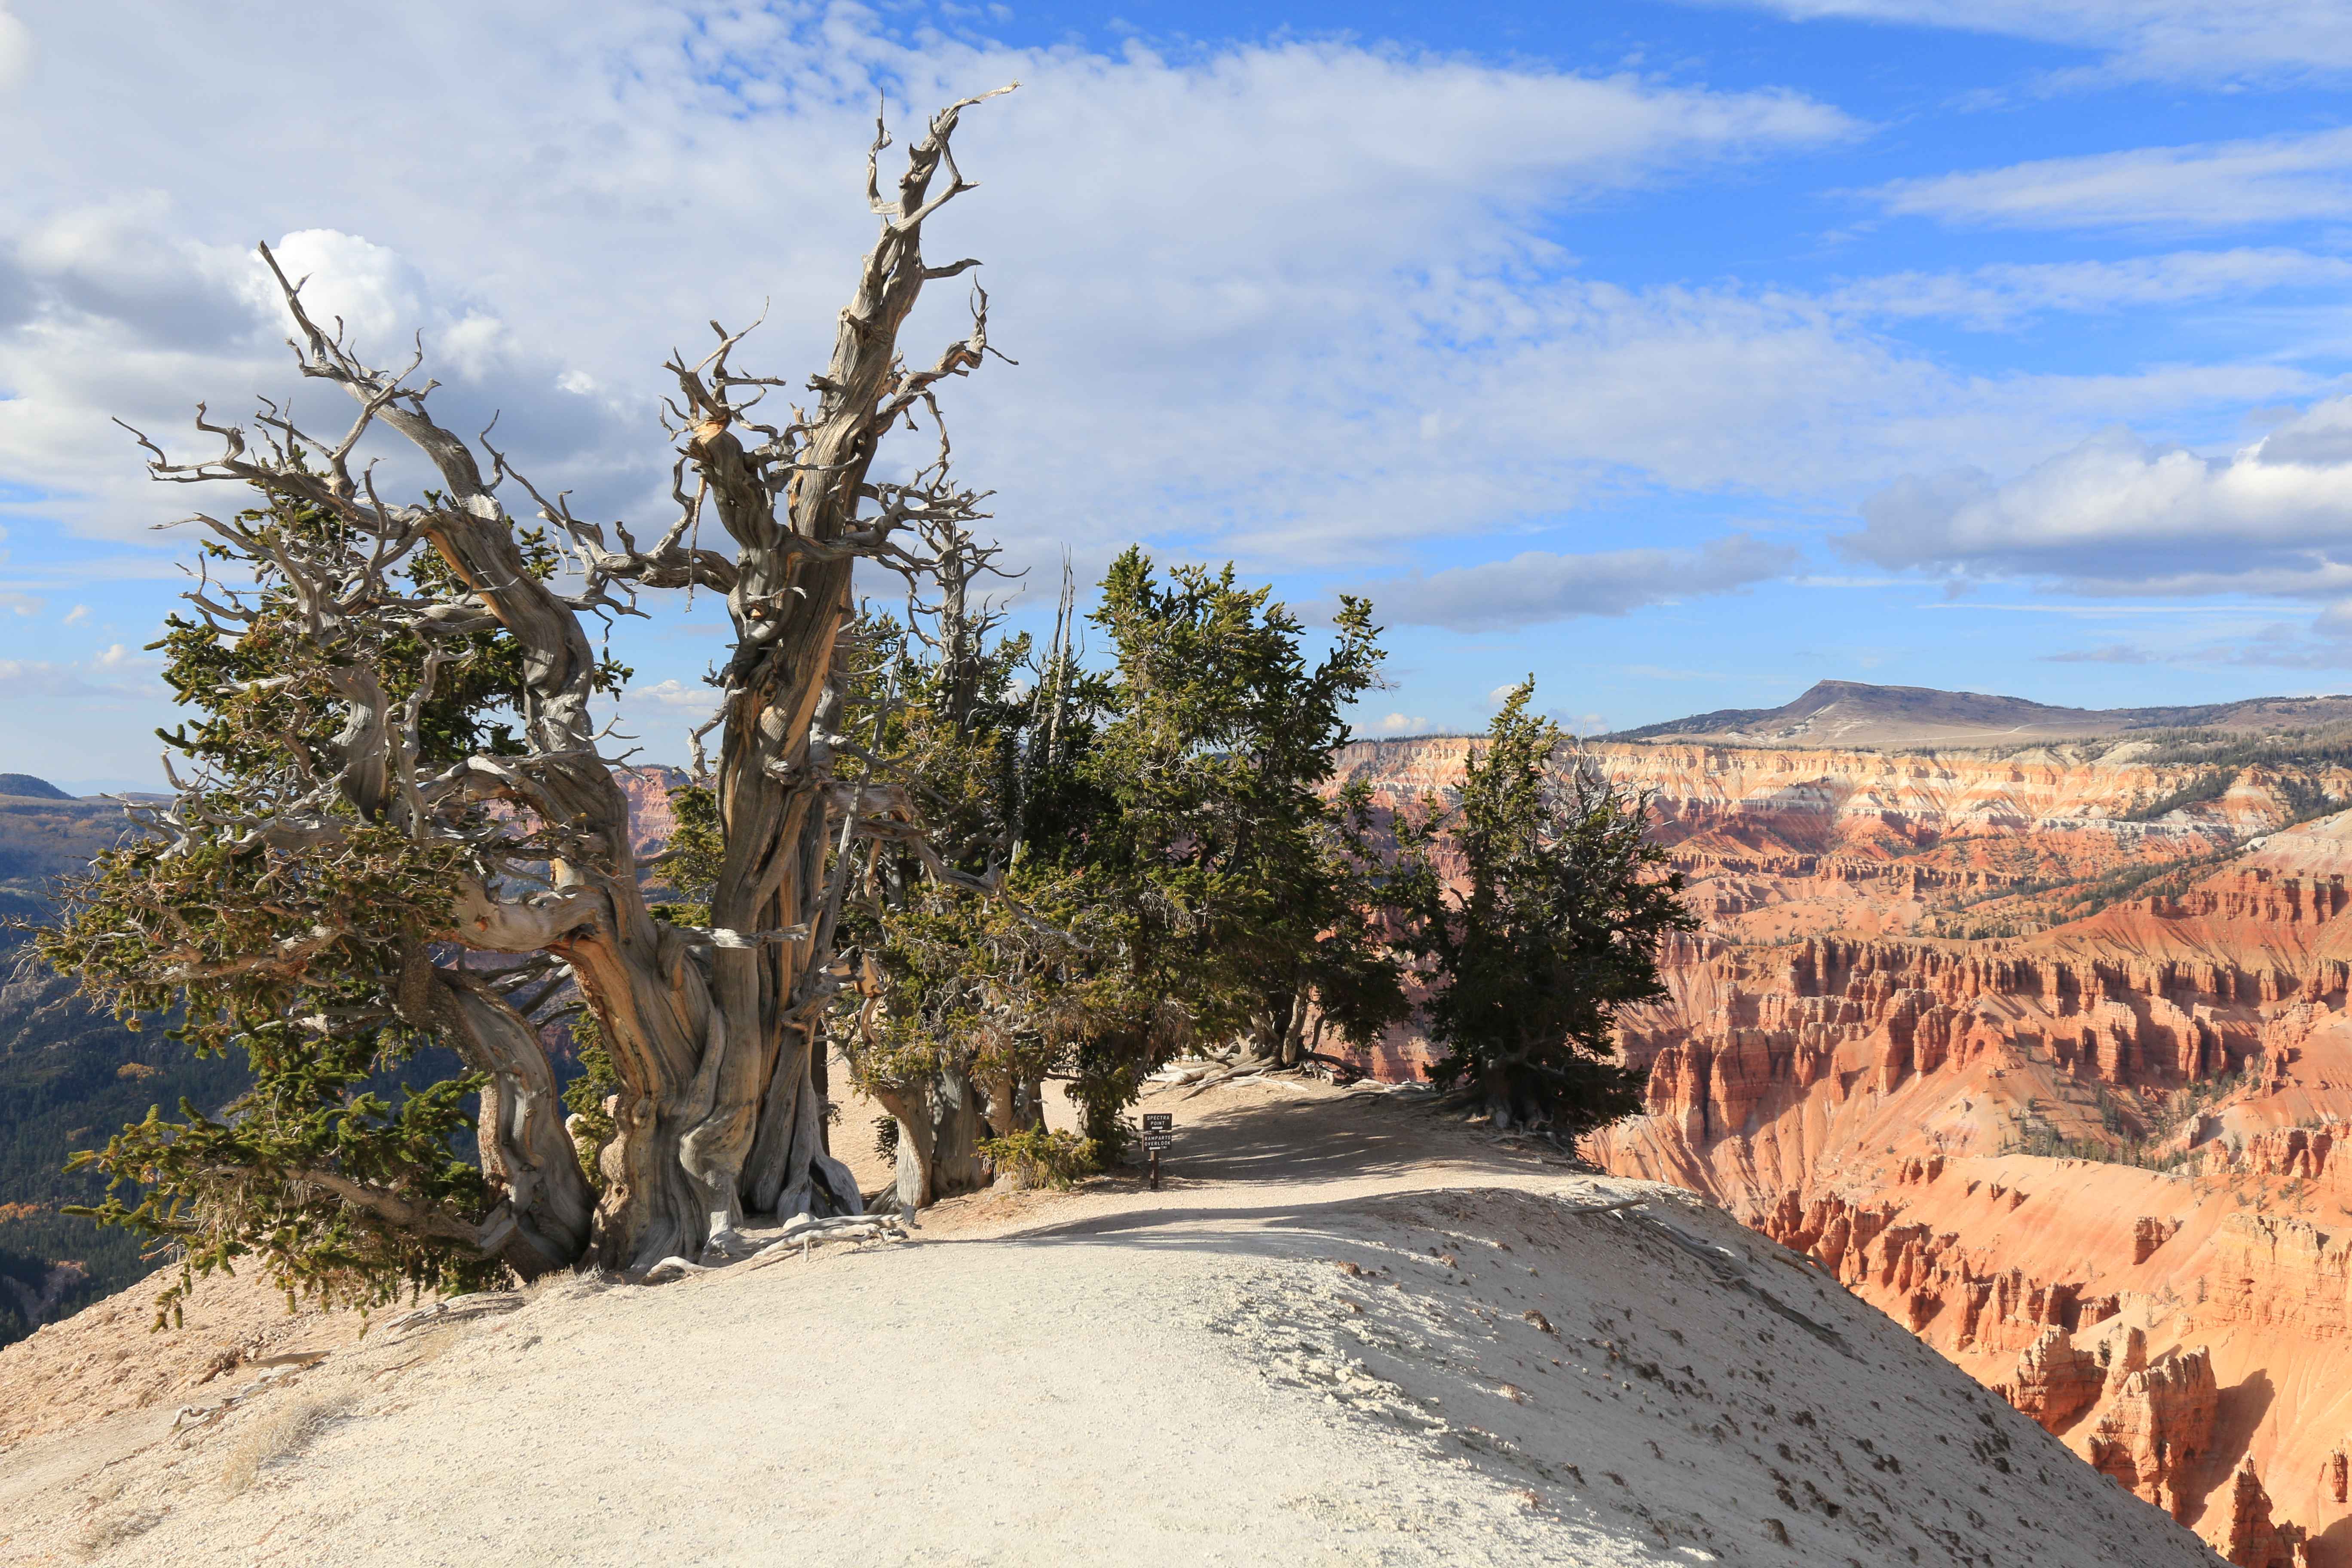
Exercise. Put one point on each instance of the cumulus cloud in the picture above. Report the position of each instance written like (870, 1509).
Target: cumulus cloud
(2116, 514)
(2196, 40)
(1539, 585)
(2119, 516)
(1299, 303)
(2218, 185)
(1399, 724)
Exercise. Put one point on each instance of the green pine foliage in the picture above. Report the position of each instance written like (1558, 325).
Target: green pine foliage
(1237, 884)
(1037, 1157)
(1534, 907)
(291, 957)
(1175, 866)
(979, 733)
(68, 1075)
(690, 866)
(272, 1176)
(1169, 864)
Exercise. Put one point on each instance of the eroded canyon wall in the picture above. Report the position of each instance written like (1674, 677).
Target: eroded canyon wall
(2057, 1073)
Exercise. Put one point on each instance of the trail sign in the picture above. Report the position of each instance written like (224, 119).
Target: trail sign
(1158, 1133)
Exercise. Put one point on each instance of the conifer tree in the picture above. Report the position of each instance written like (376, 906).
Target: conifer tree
(1179, 870)
(1239, 884)
(395, 818)
(1533, 906)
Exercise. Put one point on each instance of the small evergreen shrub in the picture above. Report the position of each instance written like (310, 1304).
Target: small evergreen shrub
(1042, 1158)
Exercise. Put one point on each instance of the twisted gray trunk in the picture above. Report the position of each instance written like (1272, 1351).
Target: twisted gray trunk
(752, 1135)
(939, 1130)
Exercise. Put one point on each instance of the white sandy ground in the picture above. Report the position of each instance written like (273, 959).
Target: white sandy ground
(1317, 1346)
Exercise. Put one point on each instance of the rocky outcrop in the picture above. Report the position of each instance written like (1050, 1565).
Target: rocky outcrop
(2251, 1539)
(2159, 1428)
(651, 821)
(2055, 1380)
(2119, 1354)
(2290, 1153)
(2280, 1273)
(1956, 1298)
(2150, 1232)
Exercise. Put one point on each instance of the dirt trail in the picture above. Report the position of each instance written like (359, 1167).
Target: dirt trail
(1345, 1332)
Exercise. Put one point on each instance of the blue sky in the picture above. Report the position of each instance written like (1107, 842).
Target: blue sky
(1680, 354)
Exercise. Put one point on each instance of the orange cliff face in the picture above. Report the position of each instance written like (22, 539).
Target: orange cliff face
(652, 819)
(2066, 1093)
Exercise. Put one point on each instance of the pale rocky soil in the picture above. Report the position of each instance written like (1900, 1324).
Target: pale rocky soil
(1348, 1333)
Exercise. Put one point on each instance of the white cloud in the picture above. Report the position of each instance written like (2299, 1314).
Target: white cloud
(2216, 184)
(374, 292)
(676, 694)
(1399, 724)
(2326, 645)
(1295, 302)
(1207, 351)
(2106, 652)
(16, 51)
(2197, 41)
(114, 677)
(1538, 586)
(75, 616)
(2003, 295)
(2118, 515)
(1220, 273)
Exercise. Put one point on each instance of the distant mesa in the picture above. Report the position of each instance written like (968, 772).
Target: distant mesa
(1850, 714)
(24, 786)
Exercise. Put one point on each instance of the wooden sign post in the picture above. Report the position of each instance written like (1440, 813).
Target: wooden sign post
(1158, 1133)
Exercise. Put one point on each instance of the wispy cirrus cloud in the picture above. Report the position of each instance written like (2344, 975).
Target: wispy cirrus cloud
(117, 675)
(2182, 40)
(2252, 183)
(2106, 652)
(2005, 295)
